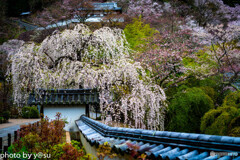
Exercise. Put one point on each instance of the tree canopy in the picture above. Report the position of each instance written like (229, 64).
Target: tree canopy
(80, 58)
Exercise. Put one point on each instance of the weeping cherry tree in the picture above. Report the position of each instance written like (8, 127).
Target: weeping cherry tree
(80, 58)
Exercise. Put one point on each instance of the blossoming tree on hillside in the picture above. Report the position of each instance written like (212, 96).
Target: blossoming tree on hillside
(80, 58)
(163, 48)
(215, 12)
(222, 56)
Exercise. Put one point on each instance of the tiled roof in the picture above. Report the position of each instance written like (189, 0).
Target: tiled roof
(104, 6)
(25, 13)
(64, 96)
(160, 144)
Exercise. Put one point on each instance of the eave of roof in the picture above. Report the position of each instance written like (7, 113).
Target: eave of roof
(158, 144)
(64, 96)
(103, 6)
(25, 13)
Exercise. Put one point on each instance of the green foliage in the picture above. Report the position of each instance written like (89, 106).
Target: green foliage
(15, 112)
(59, 151)
(11, 30)
(99, 118)
(137, 33)
(25, 112)
(216, 121)
(41, 138)
(209, 85)
(210, 92)
(187, 108)
(13, 149)
(232, 99)
(30, 112)
(213, 82)
(203, 64)
(235, 132)
(2, 120)
(68, 151)
(48, 138)
(192, 81)
(224, 120)
(6, 115)
(76, 144)
(234, 127)
(105, 150)
(31, 142)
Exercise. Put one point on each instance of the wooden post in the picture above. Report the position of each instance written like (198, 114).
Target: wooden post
(5, 149)
(9, 139)
(15, 135)
(87, 110)
(96, 110)
(1, 143)
(41, 112)
(20, 135)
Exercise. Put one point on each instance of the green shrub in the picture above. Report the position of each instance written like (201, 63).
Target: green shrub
(210, 86)
(14, 149)
(31, 142)
(104, 151)
(210, 92)
(1, 120)
(234, 127)
(235, 132)
(57, 150)
(99, 118)
(25, 112)
(6, 115)
(30, 112)
(187, 108)
(41, 138)
(232, 99)
(193, 81)
(137, 32)
(68, 151)
(216, 121)
(76, 144)
(34, 113)
(14, 112)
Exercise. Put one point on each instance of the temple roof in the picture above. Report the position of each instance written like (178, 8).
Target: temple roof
(160, 144)
(64, 96)
(104, 6)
